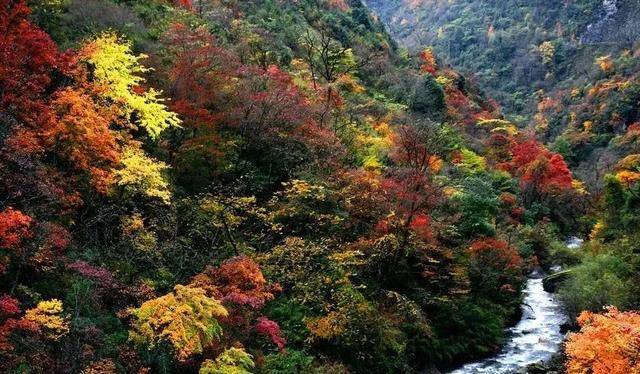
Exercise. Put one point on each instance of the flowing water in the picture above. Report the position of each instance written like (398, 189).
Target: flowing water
(535, 338)
(574, 242)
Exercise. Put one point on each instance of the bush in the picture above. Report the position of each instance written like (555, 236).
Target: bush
(289, 362)
(428, 98)
(465, 329)
(561, 255)
(598, 281)
(606, 343)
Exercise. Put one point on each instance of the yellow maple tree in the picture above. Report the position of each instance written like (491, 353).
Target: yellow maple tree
(185, 319)
(118, 73)
(143, 175)
(47, 315)
(231, 361)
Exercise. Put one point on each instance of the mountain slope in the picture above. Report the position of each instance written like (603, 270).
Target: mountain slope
(256, 186)
(569, 71)
(514, 48)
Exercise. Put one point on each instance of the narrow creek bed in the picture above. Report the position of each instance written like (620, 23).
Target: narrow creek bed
(535, 338)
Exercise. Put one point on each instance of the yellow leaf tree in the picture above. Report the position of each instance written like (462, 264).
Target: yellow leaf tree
(117, 72)
(142, 175)
(185, 319)
(47, 316)
(232, 361)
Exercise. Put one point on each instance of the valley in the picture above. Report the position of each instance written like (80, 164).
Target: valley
(319, 186)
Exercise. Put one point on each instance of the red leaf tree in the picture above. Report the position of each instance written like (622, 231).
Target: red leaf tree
(495, 269)
(243, 290)
(541, 171)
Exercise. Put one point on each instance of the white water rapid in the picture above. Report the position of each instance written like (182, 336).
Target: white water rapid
(535, 338)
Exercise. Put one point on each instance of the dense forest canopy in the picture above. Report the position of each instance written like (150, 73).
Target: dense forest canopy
(228, 186)
(515, 48)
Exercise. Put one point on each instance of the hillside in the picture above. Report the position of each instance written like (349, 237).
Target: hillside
(531, 57)
(515, 49)
(224, 186)
(568, 72)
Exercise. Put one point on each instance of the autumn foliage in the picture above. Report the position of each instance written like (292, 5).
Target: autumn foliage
(606, 343)
(496, 268)
(238, 281)
(429, 63)
(540, 169)
(15, 227)
(268, 188)
(29, 57)
(497, 250)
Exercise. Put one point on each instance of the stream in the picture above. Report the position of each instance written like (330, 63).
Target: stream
(535, 338)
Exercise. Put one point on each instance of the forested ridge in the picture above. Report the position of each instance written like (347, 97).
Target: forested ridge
(568, 73)
(227, 186)
(517, 50)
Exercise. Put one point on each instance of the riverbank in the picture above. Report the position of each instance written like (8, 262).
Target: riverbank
(536, 338)
(534, 344)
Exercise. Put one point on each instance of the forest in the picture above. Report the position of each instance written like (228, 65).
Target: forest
(284, 186)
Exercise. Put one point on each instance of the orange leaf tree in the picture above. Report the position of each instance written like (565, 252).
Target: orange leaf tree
(606, 343)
